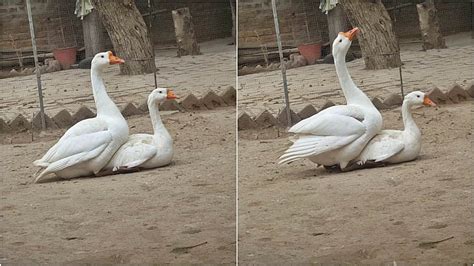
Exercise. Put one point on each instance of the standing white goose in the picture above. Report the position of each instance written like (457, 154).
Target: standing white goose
(395, 146)
(145, 150)
(337, 134)
(86, 147)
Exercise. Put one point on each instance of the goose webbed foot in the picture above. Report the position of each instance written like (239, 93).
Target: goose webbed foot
(118, 170)
(334, 167)
(353, 166)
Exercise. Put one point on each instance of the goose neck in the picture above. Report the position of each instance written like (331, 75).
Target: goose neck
(158, 127)
(408, 122)
(103, 103)
(352, 93)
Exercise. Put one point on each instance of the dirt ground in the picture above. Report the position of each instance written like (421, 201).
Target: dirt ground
(70, 89)
(315, 84)
(153, 216)
(388, 215)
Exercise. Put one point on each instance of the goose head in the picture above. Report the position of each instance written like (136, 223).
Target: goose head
(343, 41)
(101, 60)
(418, 98)
(160, 95)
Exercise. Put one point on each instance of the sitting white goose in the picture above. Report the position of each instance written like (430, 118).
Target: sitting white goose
(337, 134)
(87, 146)
(395, 146)
(145, 150)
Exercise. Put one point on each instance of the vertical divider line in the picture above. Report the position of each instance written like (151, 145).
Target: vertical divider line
(236, 43)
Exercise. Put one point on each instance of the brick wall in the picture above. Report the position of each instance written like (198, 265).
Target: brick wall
(50, 17)
(301, 21)
(212, 19)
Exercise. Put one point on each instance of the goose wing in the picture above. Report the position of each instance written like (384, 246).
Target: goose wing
(328, 130)
(137, 150)
(383, 146)
(342, 120)
(75, 150)
(84, 127)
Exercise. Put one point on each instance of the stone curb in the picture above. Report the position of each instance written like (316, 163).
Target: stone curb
(265, 119)
(64, 119)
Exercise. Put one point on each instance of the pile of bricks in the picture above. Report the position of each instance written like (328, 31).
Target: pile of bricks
(63, 119)
(265, 119)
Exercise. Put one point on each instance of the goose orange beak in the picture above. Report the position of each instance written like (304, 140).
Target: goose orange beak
(428, 102)
(170, 95)
(352, 34)
(115, 59)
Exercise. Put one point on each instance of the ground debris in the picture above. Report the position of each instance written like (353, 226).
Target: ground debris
(184, 250)
(432, 244)
(74, 238)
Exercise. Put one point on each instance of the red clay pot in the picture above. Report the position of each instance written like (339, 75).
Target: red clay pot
(311, 52)
(65, 56)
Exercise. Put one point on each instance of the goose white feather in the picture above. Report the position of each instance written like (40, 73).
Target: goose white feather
(87, 146)
(337, 134)
(396, 146)
(145, 150)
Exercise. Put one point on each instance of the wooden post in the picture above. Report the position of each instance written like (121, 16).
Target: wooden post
(429, 26)
(93, 31)
(337, 22)
(38, 72)
(184, 29)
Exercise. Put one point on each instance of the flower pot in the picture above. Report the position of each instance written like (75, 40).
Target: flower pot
(65, 56)
(311, 52)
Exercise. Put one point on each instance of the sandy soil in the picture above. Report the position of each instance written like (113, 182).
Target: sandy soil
(146, 217)
(299, 214)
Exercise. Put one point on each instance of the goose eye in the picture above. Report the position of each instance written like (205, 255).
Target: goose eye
(418, 96)
(340, 40)
(102, 56)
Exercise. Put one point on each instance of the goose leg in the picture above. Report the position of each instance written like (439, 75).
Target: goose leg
(125, 169)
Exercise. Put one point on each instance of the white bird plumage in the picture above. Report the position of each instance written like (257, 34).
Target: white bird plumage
(396, 146)
(87, 146)
(337, 135)
(145, 150)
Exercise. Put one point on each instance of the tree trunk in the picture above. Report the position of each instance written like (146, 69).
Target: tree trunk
(337, 22)
(377, 39)
(93, 31)
(232, 9)
(429, 26)
(129, 35)
(185, 36)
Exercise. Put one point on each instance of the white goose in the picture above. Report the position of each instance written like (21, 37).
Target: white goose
(337, 134)
(86, 147)
(395, 146)
(145, 150)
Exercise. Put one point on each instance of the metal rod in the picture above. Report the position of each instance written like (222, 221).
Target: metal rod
(151, 40)
(399, 55)
(282, 63)
(35, 55)
(401, 80)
